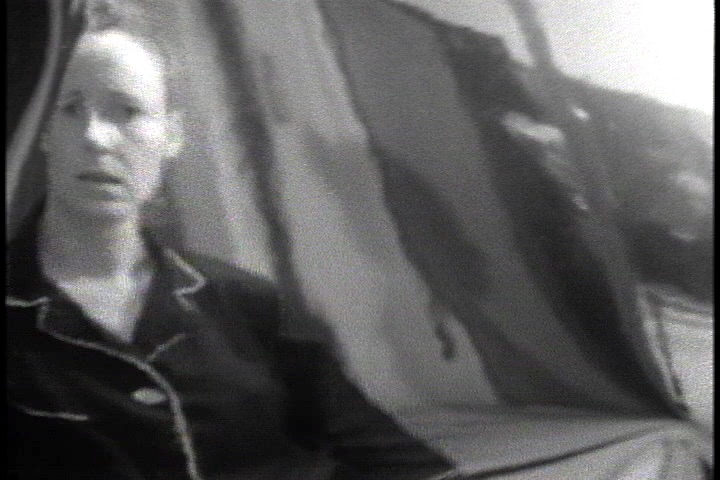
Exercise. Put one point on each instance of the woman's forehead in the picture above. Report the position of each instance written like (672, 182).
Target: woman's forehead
(116, 61)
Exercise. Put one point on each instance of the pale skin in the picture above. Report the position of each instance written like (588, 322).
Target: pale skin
(109, 136)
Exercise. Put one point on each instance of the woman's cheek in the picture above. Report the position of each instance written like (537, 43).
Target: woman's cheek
(146, 180)
(149, 134)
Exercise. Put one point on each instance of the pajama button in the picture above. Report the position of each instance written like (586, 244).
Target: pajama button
(149, 396)
(580, 203)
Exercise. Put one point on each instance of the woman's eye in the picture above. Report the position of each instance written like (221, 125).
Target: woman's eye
(72, 108)
(130, 112)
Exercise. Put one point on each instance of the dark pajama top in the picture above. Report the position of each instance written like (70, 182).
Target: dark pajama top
(209, 389)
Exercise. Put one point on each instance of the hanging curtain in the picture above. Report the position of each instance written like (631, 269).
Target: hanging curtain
(454, 193)
(24, 171)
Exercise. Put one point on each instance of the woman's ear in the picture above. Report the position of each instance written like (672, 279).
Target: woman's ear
(175, 134)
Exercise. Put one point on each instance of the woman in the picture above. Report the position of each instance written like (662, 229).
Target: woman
(127, 360)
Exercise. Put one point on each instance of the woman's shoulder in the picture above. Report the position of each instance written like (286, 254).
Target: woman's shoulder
(218, 271)
(229, 279)
(229, 290)
(256, 296)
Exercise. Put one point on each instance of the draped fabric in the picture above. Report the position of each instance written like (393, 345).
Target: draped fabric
(24, 164)
(356, 151)
(479, 273)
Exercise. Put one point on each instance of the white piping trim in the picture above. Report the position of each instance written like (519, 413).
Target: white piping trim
(17, 302)
(165, 347)
(449, 475)
(73, 417)
(182, 428)
(182, 292)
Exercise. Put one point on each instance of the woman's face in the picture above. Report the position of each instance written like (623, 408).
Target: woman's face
(110, 131)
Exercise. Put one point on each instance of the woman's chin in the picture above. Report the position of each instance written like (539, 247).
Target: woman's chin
(109, 211)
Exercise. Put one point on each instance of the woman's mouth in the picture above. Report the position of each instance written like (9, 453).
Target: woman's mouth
(104, 186)
(101, 177)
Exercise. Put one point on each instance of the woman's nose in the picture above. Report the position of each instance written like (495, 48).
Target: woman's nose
(100, 134)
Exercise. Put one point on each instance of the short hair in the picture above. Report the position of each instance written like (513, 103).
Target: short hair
(139, 20)
(150, 24)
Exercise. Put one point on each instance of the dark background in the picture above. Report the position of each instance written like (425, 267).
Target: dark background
(27, 32)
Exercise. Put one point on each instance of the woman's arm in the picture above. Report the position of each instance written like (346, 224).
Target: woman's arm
(329, 412)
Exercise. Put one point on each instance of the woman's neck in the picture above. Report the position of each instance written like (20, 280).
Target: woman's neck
(73, 246)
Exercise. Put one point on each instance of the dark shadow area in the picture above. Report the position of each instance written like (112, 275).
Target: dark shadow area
(27, 24)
